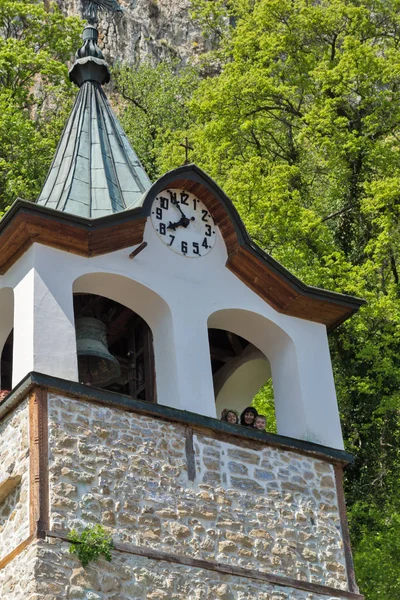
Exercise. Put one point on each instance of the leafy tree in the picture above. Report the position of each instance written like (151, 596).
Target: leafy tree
(301, 128)
(35, 95)
(154, 107)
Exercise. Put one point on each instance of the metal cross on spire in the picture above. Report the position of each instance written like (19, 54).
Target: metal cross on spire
(187, 147)
(91, 8)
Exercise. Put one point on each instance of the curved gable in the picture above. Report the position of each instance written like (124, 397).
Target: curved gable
(257, 269)
(26, 223)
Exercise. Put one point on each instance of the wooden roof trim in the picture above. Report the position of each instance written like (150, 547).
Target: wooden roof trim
(26, 223)
(257, 269)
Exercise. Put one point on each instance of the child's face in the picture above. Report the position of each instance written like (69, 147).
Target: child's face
(231, 417)
(248, 418)
(259, 423)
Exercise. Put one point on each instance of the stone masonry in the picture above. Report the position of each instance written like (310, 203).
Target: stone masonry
(214, 513)
(48, 572)
(14, 457)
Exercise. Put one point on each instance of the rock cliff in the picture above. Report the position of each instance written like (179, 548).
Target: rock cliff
(147, 29)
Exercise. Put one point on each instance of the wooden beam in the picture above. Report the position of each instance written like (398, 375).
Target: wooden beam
(233, 570)
(8, 483)
(190, 456)
(235, 342)
(38, 465)
(351, 576)
(119, 325)
(20, 548)
(222, 354)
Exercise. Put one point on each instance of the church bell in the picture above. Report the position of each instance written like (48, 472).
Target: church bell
(96, 365)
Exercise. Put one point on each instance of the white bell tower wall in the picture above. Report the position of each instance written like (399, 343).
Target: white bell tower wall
(179, 298)
(44, 328)
(305, 398)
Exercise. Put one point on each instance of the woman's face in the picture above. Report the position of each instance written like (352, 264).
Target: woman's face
(248, 417)
(231, 417)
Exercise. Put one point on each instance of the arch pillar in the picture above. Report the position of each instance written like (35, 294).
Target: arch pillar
(192, 352)
(44, 328)
(239, 380)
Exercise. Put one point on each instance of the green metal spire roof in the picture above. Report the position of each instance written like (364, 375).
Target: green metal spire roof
(95, 171)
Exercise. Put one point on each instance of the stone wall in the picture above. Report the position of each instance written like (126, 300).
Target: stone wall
(58, 575)
(14, 461)
(147, 29)
(17, 578)
(261, 508)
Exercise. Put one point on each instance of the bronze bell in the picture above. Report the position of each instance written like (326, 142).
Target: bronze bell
(96, 365)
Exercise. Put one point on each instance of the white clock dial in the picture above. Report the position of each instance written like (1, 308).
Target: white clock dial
(183, 223)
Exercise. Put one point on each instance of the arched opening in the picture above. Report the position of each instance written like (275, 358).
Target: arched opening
(6, 363)
(114, 346)
(241, 376)
(268, 362)
(148, 305)
(6, 339)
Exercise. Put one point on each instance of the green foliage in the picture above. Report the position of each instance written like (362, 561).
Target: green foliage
(301, 127)
(263, 402)
(378, 552)
(35, 94)
(154, 106)
(93, 542)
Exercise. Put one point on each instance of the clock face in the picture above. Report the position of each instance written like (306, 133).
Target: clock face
(183, 223)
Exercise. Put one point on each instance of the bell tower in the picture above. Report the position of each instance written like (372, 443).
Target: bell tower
(130, 311)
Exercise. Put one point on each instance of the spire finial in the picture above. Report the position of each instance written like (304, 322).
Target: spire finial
(91, 8)
(90, 64)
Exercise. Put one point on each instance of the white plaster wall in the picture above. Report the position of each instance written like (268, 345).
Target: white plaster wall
(176, 296)
(240, 388)
(44, 328)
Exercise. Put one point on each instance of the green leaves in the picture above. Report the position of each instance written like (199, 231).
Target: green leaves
(154, 102)
(299, 123)
(93, 542)
(35, 95)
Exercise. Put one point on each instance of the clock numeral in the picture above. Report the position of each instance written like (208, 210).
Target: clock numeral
(172, 197)
(205, 215)
(196, 249)
(172, 239)
(163, 229)
(208, 230)
(164, 202)
(184, 198)
(205, 243)
(184, 247)
(195, 203)
(159, 214)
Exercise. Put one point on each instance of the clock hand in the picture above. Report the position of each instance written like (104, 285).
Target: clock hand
(176, 203)
(183, 222)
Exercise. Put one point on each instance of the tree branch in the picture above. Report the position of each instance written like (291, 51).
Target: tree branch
(337, 213)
